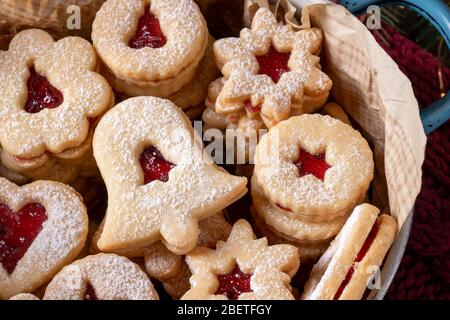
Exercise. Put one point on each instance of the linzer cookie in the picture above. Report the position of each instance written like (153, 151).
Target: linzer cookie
(149, 47)
(314, 167)
(101, 277)
(242, 268)
(51, 98)
(344, 270)
(271, 71)
(44, 226)
(159, 181)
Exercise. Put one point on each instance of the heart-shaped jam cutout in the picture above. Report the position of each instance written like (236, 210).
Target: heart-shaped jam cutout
(251, 108)
(312, 164)
(90, 294)
(273, 63)
(18, 231)
(148, 32)
(234, 283)
(154, 166)
(41, 94)
(361, 254)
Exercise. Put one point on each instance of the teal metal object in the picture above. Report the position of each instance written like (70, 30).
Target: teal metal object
(438, 14)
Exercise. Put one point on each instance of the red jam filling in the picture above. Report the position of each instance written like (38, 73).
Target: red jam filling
(90, 294)
(148, 32)
(41, 94)
(362, 252)
(273, 63)
(154, 166)
(283, 208)
(312, 164)
(18, 231)
(251, 108)
(234, 283)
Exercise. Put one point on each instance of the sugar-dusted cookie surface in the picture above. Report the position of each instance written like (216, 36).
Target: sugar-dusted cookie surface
(150, 47)
(159, 181)
(242, 268)
(314, 166)
(101, 277)
(24, 296)
(45, 226)
(345, 269)
(271, 70)
(49, 91)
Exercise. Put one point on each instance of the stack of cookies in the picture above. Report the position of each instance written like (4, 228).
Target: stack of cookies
(46, 132)
(270, 73)
(175, 62)
(310, 172)
(164, 215)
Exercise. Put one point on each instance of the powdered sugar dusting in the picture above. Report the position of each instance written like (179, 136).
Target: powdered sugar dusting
(62, 237)
(271, 266)
(67, 63)
(112, 277)
(195, 189)
(181, 22)
(304, 82)
(346, 152)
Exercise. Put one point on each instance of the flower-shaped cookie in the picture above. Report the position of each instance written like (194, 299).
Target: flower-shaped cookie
(272, 70)
(242, 268)
(159, 181)
(50, 92)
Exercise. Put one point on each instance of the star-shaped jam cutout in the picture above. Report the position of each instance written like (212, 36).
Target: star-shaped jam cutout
(148, 32)
(18, 231)
(273, 63)
(154, 166)
(41, 94)
(312, 164)
(234, 283)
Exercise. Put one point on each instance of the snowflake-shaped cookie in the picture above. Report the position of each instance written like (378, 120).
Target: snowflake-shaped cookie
(242, 268)
(272, 68)
(49, 91)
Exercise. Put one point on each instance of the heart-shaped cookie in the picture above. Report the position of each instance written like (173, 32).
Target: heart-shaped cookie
(43, 226)
(159, 181)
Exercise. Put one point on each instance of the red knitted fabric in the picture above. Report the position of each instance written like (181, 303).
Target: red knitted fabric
(424, 272)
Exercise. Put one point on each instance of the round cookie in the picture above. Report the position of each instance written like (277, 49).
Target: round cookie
(149, 47)
(101, 277)
(314, 165)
